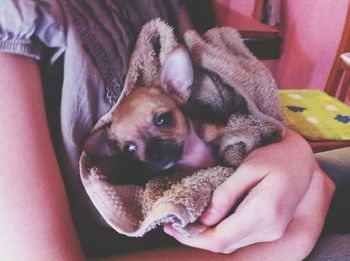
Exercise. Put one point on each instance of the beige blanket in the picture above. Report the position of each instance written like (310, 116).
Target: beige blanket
(134, 209)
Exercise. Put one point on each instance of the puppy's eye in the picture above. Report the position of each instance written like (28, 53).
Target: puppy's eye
(164, 119)
(130, 148)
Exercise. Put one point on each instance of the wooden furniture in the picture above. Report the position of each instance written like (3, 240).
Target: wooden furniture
(338, 82)
(264, 41)
(258, 9)
(319, 146)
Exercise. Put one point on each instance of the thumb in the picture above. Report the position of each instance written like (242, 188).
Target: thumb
(229, 193)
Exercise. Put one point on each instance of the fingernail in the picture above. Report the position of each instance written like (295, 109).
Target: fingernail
(167, 228)
(197, 229)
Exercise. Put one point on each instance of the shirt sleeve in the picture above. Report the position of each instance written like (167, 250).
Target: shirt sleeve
(27, 26)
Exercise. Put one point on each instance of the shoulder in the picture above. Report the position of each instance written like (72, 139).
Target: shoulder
(26, 25)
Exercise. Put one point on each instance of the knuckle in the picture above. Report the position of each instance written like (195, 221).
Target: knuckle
(222, 195)
(229, 250)
(215, 247)
(271, 218)
(268, 213)
(274, 231)
(218, 248)
(275, 234)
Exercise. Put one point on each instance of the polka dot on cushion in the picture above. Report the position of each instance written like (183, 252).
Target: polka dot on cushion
(313, 120)
(295, 96)
(331, 107)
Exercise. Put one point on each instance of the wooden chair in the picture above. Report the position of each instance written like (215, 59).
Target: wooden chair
(338, 82)
(338, 86)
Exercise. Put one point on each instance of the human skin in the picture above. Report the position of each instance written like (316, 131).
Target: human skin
(291, 239)
(34, 215)
(275, 182)
(35, 219)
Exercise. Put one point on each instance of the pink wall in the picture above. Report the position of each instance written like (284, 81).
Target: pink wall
(311, 31)
(243, 6)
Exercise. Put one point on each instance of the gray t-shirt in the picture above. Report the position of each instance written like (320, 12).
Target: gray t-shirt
(83, 48)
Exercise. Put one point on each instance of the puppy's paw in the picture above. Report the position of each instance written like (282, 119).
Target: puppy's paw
(233, 154)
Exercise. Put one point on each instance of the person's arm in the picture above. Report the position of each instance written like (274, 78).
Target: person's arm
(35, 219)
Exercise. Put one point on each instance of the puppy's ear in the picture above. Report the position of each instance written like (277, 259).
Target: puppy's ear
(176, 75)
(99, 144)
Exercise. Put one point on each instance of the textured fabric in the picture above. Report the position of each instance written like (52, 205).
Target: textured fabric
(316, 115)
(334, 243)
(134, 210)
(336, 164)
(331, 247)
(83, 48)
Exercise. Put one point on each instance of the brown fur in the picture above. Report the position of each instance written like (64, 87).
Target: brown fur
(133, 119)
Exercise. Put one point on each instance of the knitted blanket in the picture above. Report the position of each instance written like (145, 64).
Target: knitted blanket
(133, 205)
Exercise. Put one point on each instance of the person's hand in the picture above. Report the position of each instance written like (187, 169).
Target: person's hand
(272, 182)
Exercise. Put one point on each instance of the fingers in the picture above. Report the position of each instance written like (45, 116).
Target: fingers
(262, 216)
(210, 239)
(230, 192)
(299, 237)
(264, 161)
(234, 232)
(272, 184)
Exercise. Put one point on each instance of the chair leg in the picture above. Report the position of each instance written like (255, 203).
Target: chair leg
(344, 86)
(333, 82)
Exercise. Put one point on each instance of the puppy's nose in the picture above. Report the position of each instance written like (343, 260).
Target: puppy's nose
(162, 154)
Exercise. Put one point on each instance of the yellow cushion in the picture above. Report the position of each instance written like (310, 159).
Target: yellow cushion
(316, 115)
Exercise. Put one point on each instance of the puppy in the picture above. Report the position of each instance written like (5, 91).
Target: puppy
(182, 121)
(149, 124)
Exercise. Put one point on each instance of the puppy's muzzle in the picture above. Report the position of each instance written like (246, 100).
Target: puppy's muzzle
(162, 154)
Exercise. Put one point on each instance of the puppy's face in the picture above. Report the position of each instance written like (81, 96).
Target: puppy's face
(149, 126)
